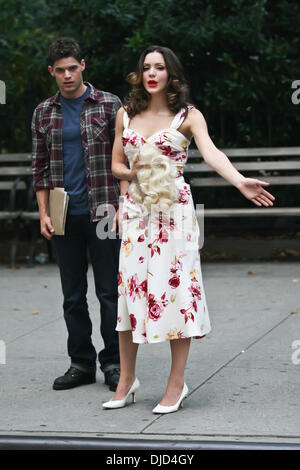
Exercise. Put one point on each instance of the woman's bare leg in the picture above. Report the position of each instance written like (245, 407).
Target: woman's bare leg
(128, 353)
(180, 351)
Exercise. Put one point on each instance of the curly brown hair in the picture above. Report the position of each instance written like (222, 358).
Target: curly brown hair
(177, 89)
(64, 47)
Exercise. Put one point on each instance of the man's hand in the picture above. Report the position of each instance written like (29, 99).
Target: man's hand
(47, 229)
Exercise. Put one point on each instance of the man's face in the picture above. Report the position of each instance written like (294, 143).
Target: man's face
(68, 75)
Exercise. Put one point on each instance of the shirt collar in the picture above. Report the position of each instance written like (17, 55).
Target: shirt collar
(94, 95)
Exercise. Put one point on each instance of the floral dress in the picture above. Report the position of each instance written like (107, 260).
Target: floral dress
(160, 289)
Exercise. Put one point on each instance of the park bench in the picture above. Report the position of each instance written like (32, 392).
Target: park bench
(15, 176)
(279, 166)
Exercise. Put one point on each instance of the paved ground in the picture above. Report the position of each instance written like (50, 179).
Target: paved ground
(244, 384)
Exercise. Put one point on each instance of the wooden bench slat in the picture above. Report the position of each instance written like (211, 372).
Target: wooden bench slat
(254, 152)
(264, 151)
(25, 215)
(7, 185)
(250, 166)
(5, 215)
(259, 211)
(15, 157)
(238, 152)
(218, 181)
(15, 170)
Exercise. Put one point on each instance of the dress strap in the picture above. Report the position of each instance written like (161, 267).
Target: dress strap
(178, 119)
(126, 119)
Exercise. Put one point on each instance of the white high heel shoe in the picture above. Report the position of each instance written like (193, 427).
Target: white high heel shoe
(112, 404)
(160, 409)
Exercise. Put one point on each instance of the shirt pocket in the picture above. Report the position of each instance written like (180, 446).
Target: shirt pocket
(99, 130)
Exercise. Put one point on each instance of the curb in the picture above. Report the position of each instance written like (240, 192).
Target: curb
(81, 443)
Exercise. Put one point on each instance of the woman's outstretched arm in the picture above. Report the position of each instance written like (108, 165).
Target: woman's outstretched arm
(251, 188)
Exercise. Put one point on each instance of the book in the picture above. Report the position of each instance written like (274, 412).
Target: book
(58, 206)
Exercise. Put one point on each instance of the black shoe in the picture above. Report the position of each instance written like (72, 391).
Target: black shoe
(73, 378)
(112, 378)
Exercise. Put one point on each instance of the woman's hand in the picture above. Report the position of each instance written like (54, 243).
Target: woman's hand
(253, 190)
(135, 167)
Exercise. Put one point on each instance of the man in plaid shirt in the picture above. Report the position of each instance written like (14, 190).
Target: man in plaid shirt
(73, 133)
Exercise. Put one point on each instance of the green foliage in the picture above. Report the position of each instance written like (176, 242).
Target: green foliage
(240, 58)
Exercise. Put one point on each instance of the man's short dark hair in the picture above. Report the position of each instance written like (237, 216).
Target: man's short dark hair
(62, 48)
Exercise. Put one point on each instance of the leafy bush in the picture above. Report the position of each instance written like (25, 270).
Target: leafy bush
(240, 58)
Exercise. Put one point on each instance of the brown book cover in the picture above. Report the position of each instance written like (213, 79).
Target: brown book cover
(58, 206)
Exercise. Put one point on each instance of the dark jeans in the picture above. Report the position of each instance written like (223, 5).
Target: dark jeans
(71, 253)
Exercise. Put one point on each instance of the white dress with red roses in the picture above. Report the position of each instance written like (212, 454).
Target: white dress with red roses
(161, 294)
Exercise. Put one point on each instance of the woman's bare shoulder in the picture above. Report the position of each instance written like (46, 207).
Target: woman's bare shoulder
(120, 115)
(194, 112)
(121, 111)
(195, 116)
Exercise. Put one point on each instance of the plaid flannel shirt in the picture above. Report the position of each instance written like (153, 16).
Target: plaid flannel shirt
(97, 124)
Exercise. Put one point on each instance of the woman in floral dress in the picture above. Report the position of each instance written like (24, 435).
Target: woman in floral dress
(161, 294)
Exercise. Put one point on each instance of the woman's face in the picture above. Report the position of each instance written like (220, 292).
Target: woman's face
(155, 74)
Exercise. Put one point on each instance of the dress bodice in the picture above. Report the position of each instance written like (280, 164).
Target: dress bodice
(169, 141)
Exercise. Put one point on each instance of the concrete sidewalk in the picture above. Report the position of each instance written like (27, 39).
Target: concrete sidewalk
(244, 384)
